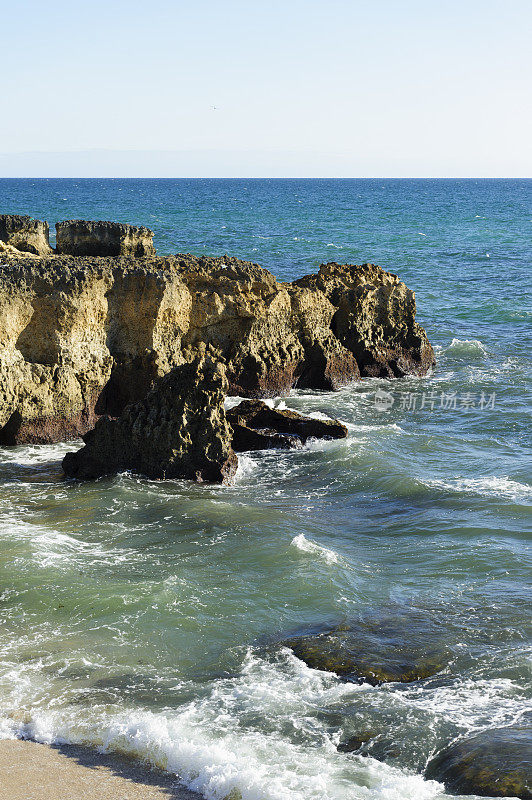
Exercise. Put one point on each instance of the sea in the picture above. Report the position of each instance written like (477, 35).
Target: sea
(148, 617)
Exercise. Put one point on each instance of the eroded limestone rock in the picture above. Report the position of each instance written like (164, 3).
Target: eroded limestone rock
(25, 234)
(374, 319)
(178, 430)
(85, 336)
(80, 237)
(256, 426)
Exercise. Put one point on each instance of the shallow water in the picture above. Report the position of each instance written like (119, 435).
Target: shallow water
(145, 616)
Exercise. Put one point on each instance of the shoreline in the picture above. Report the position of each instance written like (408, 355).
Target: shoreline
(33, 771)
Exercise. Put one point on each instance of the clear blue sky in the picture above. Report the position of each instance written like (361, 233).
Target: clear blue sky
(276, 88)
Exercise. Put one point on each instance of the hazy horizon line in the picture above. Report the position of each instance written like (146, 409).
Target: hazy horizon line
(266, 178)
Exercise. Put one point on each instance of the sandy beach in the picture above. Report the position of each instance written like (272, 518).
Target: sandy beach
(32, 771)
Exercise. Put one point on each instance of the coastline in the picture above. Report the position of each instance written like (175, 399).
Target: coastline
(33, 771)
(151, 616)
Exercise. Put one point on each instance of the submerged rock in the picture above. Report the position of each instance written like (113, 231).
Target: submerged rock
(494, 763)
(256, 426)
(80, 237)
(84, 336)
(355, 743)
(25, 234)
(179, 430)
(375, 651)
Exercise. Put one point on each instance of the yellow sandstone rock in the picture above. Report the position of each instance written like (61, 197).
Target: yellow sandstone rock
(84, 336)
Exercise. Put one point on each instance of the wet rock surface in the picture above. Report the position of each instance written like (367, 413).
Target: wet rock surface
(82, 337)
(79, 237)
(494, 763)
(25, 234)
(375, 651)
(257, 426)
(179, 430)
(355, 743)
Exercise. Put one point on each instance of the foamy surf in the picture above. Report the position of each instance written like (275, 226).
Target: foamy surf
(206, 745)
(306, 546)
(466, 348)
(39, 454)
(492, 486)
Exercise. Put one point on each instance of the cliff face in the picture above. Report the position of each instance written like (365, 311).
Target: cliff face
(25, 234)
(80, 337)
(80, 237)
(178, 430)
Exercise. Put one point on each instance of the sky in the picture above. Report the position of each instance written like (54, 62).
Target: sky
(275, 88)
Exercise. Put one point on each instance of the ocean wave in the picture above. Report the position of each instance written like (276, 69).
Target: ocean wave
(220, 745)
(37, 454)
(466, 348)
(470, 704)
(45, 547)
(392, 427)
(492, 486)
(306, 546)
(247, 466)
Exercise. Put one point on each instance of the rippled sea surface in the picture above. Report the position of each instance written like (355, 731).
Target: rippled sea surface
(145, 616)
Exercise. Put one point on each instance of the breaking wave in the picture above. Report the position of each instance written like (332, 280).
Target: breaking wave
(466, 348)
(501, 487)
(306, 546)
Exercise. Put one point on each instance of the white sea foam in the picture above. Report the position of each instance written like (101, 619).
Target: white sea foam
(326, 445)
(392, 427)
(246, 467)
(466, 348)
(306, 546)
(207, 744)
(50, 548)
(491, 486)
(30, 455)
(471, 704)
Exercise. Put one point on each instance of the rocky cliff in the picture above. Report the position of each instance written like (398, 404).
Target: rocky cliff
(178, 430)
(81, 237)
(84, 336)
(25, 234)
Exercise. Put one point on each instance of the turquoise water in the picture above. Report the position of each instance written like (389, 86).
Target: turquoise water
(145, 616)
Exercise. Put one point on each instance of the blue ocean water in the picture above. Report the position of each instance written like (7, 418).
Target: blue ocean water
(144, 616)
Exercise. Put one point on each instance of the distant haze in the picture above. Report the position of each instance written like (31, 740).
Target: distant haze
(345, 88)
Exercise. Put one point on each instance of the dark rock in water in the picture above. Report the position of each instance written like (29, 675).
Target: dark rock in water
(355, 743)
(256, 426)
(25, 234)
(179, 430)
(245, 439)
(80, 237)
(380, 747)
(494, 763)
(374, 651)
